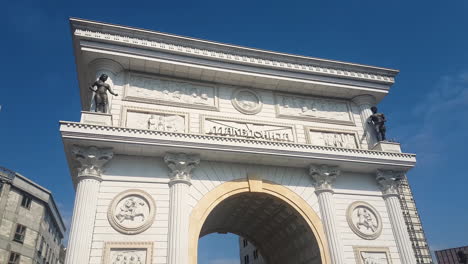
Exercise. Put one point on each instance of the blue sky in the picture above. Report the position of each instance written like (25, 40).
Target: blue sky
(427, 107)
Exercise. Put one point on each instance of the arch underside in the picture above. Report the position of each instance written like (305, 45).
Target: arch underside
(283, 227)
(280, 233)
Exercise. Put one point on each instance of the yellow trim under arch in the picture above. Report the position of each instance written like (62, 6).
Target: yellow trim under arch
(210, 200)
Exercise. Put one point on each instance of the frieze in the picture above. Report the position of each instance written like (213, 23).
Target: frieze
(169, 91)
(313, 109)
(332, 138)
(167, 121)
(131, 212)
(246, 129)
(372, 255)
(128, 253)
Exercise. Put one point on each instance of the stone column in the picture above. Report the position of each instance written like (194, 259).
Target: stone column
(388, 182)
(88, 180)
(323, 177)
(111, 69)
(181, 166)
(365, 102)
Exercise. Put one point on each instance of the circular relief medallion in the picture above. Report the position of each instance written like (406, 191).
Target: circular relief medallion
(246, 101)
(364, 220)
(131, 212)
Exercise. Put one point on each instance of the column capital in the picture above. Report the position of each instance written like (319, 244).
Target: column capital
(389, 181)
(365, 99)
(323, 176)
(181, 166)
(92, 160)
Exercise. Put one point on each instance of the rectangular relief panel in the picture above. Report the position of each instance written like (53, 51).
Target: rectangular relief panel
(374, 255)
(313, 109)
(332, 138)
(240, 128)
(143, 118)
(170, 91)
(128, 252)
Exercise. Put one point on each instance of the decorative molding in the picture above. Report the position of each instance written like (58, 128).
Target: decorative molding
(249, 129)
(339, 138)
(323, 176)
(181, 166)
(389, 181)
(105, 65)
(316, 109)
(117, 133)
(155, 89)
(247, 101)
(117, 252)
(170, 122)
(131, 211)
(372, 255)
(365, 99)
(232, 57)
(364, 220)
(92, 160)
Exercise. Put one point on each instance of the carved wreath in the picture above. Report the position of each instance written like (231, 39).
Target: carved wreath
(247, 101)
(131, 211)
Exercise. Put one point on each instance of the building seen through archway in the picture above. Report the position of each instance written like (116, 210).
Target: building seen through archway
(181, 137)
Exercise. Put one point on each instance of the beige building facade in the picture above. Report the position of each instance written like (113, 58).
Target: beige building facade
(31, 228)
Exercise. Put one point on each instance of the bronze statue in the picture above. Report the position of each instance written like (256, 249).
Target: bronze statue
(100, 97)
(378, 121)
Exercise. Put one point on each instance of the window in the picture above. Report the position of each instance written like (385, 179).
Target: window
(14, 258)
(26, 202)
(246, 259)
(245, 242)
(255, 254)
(19, 233)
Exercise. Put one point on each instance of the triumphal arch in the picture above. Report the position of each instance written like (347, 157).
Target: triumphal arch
(182, 137)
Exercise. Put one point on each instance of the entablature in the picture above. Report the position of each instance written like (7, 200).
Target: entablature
(142, 142)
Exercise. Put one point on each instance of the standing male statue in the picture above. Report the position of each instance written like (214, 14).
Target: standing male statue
(100, 97)
(378, 121)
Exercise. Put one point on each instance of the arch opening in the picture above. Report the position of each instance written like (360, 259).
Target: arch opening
(282, 226)
(280, 234)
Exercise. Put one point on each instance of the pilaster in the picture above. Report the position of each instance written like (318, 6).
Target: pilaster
(323, 177)
(388, 182)
(91, 162)
(181, 166)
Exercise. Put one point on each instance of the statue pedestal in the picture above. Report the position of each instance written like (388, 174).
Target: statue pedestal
(96, 118)
(387, 146)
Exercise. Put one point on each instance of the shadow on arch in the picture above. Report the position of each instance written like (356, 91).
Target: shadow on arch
(283, 227)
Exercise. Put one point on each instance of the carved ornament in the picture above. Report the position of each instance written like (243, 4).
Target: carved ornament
(246, 101)
(332, 138)
(364, 220)
(131, 212)
(91, 159)
(372, 255)
(181, 166)
(128, 253)
(389, 181)
(323, 176)
(143, 118)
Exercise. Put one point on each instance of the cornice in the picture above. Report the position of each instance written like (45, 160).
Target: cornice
(80, 131)
(232, 54)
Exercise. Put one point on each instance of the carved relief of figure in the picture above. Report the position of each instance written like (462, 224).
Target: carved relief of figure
(378, 121)
(369, 258)
(130, 210)
(365, 219)
(100, 97)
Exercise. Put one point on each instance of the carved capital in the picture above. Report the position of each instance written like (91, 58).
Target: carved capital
(181, 166)
(323, 176)
(389, 181)
(365, 99)
(92, 160)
